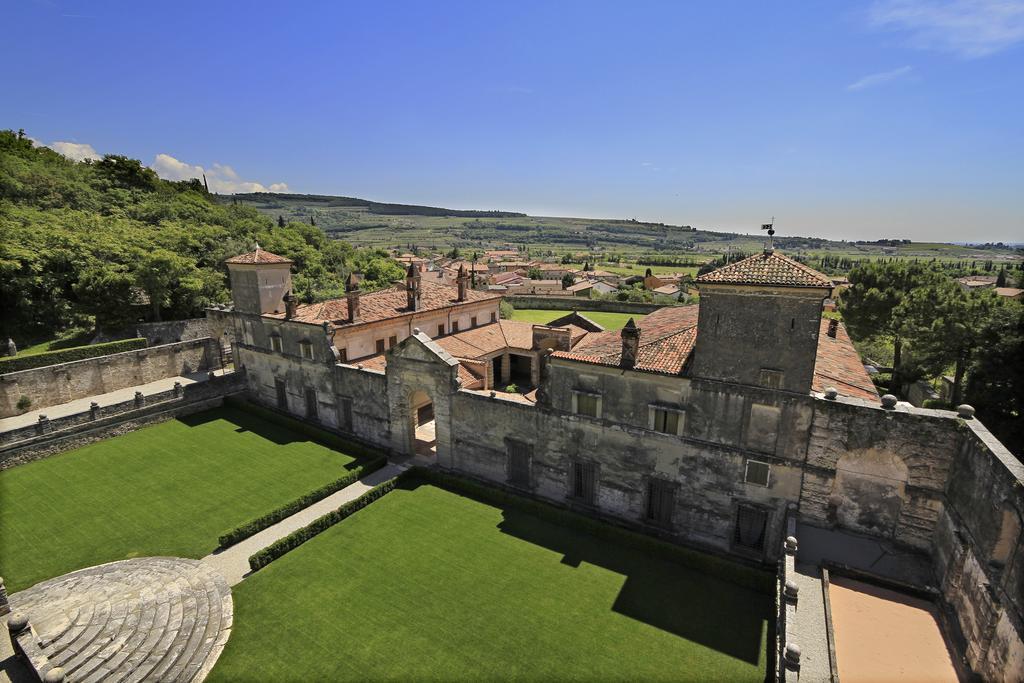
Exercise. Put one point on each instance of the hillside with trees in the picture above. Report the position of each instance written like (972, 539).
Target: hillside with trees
(100, 245)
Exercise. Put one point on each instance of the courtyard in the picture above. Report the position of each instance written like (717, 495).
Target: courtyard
(609, 321)
(167, 489)
(427, 583)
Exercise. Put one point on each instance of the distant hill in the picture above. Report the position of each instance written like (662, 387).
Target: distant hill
(270, 198)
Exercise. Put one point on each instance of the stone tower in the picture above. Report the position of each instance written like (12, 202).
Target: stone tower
(259, 281)
(759, 321)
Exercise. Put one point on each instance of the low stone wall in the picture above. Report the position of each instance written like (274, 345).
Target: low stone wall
(55, 384)
(81, 430)
(786, 660)
(565, 303)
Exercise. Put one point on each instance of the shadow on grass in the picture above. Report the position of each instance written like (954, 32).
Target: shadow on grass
(703, 609)
(245, 421)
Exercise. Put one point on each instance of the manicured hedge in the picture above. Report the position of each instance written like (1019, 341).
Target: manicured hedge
(316, 433)
(254, 526)
(40, 360)
(299, 536)
(762, 581)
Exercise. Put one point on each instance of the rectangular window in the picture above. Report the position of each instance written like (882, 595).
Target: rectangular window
(588, 404)
(275, 343)
(343, 355)
(440, 330)
(494, 317)
(282, 394)
(455, 326)
(380, 346)
(666, 421)
(307, 350)
(750, 527)
(472, 321)
(345, 410)
(583, 485)
(312, 410)
(757, 473)
(661, 499)
(519, 457)
(392, 341)
(770, 379)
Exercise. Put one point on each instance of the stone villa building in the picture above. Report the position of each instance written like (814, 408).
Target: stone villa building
(712, 425)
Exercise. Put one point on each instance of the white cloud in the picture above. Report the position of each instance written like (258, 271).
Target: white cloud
(75, 150)
(221, 178)
(967, 28)
(872, 80)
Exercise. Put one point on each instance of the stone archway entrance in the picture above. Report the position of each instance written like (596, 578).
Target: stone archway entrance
(423, 426)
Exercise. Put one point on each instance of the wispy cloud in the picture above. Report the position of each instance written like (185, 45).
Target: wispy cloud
(221, 178)
(967, 28)
(872, 80)
(74, 150)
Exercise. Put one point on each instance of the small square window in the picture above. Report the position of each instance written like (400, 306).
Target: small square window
(666, 421)
(380, 346)
(440, 330)
(275, 344)
(770, 379)
(307, 350)
(455, 326)
(587, 404)
(392, 341)
(757, 473)
(472, 321)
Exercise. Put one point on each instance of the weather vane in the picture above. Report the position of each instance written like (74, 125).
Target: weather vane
(770, 227)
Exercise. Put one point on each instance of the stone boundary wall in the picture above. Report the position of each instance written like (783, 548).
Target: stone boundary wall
(562, 303)
(202, 396)
(787, 670)
(165, 332)
(55, 384)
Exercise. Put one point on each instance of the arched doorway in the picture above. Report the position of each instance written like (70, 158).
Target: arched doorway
(423, 426)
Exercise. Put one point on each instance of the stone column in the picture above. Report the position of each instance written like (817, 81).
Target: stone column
(94, 409)
(5, 605)
(139, 399)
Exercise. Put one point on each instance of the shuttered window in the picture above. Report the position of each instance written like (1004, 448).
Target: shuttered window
(380, 346)
(584, 482)
(440, 330)
(392, 342)
(750, 527)
(275, 344)
(587, 404)
(519, 460)
(282, 395)
(666, 421)
(312, 410)
(343, 355)
(346, 413)
(757, 473)
(307, 350)
(661, 500)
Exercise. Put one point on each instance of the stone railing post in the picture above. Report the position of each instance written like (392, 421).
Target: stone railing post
(43, 425)
(5, 604)
(139, 399)
(177, 389)
(94, 410)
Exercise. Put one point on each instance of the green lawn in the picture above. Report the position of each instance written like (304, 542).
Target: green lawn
(168, 489)
(609, 321)
(427, 584)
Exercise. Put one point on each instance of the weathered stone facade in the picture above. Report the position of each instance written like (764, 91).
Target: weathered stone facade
(55, 384)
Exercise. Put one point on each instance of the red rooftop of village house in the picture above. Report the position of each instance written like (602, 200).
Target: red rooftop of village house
(767, 268)
(258, 256)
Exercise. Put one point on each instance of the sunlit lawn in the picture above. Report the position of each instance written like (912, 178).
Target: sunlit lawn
(609, 321)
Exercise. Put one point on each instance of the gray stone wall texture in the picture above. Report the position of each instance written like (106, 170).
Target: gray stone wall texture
(55, 384)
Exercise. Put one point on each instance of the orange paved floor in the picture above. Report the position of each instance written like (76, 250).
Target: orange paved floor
(882, 635)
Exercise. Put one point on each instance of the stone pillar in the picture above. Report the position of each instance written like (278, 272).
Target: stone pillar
(94, 410)
(43, 425)
(177, 388)
(139, 399)
(5, 605)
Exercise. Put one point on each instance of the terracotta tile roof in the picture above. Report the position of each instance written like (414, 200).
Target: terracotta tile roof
(667, 337)
(387, 303)
(258, 256)
(580, 286)
(767, 269)
(838, 365)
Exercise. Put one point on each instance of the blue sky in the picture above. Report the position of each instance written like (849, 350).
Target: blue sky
(896, 118)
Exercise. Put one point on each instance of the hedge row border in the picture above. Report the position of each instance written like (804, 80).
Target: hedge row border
(60, 356)
(282, 546)
(762, 581)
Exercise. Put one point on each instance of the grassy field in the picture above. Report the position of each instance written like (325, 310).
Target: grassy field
(426, 584)
(168, 489)
(609, 321)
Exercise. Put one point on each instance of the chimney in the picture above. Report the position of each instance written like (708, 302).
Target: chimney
(833, 327)
(291, 305)
(630, 344)
(412, 287)
(352, 295)
(461, 281)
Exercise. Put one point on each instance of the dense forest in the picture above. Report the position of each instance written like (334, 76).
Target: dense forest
(100, 245)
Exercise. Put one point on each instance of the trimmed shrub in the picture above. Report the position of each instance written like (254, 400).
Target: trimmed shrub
(727, 570)
(24, 403)
(40, 360)
(293, 540)
(254, 526)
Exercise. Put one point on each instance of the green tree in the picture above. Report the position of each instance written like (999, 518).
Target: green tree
(869, 306)
(534, 273)
(944, 326)
(568, 281)
(158, 272)
(1001, 278)
(995, 383)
